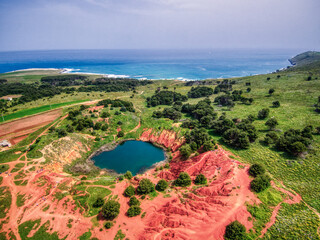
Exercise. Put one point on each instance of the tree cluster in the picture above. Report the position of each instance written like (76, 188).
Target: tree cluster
(295, 141)
(124, 105)
(165, 98)
(198, 92)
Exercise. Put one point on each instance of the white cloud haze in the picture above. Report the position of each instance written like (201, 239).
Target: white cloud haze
(107, 24)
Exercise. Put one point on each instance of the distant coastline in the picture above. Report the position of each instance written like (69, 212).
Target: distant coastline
(151, 64)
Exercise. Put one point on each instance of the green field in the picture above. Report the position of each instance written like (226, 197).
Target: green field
(32, 111)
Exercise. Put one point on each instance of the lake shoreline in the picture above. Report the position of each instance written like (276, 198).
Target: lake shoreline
(112, 146)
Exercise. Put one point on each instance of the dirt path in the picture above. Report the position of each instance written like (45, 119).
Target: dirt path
(136, 128)
(8, 180)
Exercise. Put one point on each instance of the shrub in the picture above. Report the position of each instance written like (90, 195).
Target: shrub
(104, 127)
(105, 115)
(61, 133)
(98, 203)
(235, 231)
(207, 146)
(260, 183)
(128, 175)
(129, 191)
(167, 165)
(248, 90)
(256, 169)
(145, 186)
(200, 179)
(271, 91)
(263, 113)
(133, 211)
(183, 180)
(185, 150)
(276, 104)
(162, 185)
(271, 123)
(120, 134)
(134, 201)
(108, 225)
(111, 209)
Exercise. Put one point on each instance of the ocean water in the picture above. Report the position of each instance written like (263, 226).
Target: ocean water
(135, 156)
(153, 64)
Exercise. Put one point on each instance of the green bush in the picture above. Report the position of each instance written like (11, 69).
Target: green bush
(185, 150)
(183, 180)
(235, 231)
(108, 225)
(134, 211)
(263, 113)
(128, 175)
(276, 104)
(98, 203)
(111, 209)
(134, 201)
(129, 191)
(162, 185)
(272, 123)
(200, 179)
(120, 134)
(145, 186)
(256, 169)
(260, 183)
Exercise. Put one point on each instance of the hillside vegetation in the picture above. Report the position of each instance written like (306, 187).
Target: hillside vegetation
(270, 120)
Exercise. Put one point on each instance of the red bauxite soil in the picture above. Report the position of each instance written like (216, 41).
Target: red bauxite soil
(197, 213)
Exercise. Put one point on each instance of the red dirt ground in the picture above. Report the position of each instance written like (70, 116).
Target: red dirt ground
(17, 130)
(187, 213)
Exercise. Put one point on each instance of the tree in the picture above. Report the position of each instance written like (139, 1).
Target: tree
(134, 201)
(236, 138)
(260, 183)
(263, 113)
(161, 185)
(200, 179)
(183, 180)
(104, 127)
(185, 150)
(98, 203)
(271, 123)
(297, 147)
(111, 209)
(105, 115)
(276, 104)
(271, 91)
(97, 126)
(133, 211)
(235, 231)
(256, 169)
(248, 90)
(120, 134)
(145, 186)
(129, 191)
(61, 133)
(70, 129)
(208, 146)
(128, 175)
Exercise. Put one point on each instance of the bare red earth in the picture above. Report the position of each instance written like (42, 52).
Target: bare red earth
(189, 213)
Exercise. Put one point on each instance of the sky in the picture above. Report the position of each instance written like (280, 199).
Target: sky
(159, 24)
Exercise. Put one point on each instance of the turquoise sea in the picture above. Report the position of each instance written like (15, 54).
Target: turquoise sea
(153, 64)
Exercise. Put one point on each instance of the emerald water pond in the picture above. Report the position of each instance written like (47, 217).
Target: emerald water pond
(135, 156)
